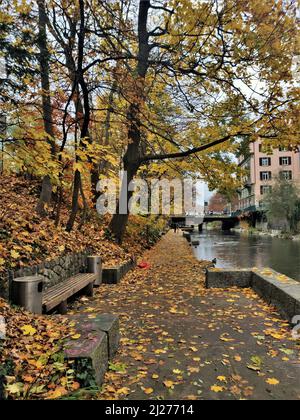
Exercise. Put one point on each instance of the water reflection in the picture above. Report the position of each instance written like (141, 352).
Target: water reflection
(237, 250)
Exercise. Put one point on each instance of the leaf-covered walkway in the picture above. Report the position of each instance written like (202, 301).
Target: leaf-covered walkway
(180, 341)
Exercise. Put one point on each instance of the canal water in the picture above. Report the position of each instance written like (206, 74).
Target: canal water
(233, 249)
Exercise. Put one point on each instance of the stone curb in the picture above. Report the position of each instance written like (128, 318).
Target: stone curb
(187, 236)
(113, 275)
(98, 343)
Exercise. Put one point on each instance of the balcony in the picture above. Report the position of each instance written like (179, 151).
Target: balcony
(247, 204)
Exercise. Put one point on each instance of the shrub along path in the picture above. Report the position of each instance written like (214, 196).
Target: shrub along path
(180, 341)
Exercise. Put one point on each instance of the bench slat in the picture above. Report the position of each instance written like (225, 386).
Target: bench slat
(60, 288)
(68, 286)
(63, 291)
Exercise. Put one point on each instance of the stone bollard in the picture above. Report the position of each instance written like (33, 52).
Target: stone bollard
(94, 264)
(27, 292)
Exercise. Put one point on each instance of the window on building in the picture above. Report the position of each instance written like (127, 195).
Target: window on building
(265, 161)
(285, 161)
(288, 175)
(263, 148)
(265, 189)
(265, 176)
(283, 149)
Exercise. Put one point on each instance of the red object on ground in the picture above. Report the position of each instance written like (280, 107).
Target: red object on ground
(144, 265)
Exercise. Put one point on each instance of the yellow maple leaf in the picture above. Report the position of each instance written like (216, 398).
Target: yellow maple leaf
(28, 330)
(222, 378)
(160, 351)
(123, 391)
(14, 254)
(225, 337)
(2, 261)
(148, 391)
(272, 381)
(274, 334)
(173, 311)
(168, 384)
(76, 336)
(15, 388)
(216, 388)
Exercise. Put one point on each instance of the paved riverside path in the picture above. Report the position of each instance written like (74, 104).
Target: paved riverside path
(181, 341)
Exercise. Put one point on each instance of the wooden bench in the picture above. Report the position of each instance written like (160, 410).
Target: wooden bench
(57, 296)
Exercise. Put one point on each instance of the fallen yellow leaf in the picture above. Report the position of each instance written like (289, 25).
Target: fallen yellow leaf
(216, 388)
(173, 311)
(169, 384)
(58, 392)
(14, 254)
(193, 369)
(28, 330)
(123, 391)
(272, 381)
(160, 351)
(225, 337)
(148, 391)
(76, 336)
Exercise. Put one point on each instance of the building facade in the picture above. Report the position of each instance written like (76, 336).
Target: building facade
(263, 167)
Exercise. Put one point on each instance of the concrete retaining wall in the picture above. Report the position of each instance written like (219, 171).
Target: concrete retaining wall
(275, 288)
(113, 275)
(216, 278)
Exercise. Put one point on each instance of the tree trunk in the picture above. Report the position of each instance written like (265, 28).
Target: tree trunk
(131, 166)
(45, 196)
(132, 159)
(46, 193)
(120, 219)
(101, 167)
(75, 204)
(85, 115)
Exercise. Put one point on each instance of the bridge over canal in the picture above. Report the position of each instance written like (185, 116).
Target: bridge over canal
(228, 221)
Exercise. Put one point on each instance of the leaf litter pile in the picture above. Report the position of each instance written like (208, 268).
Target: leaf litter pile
(26, 239)
(32, 365)
(181, 341)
